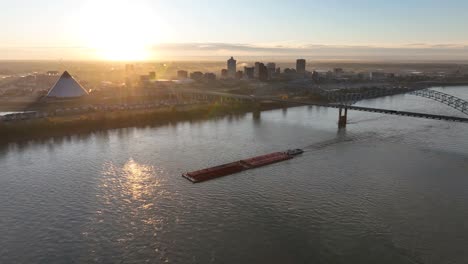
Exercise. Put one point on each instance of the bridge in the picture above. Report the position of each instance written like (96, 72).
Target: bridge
(444, 98)
(343, 112)
(344, 102)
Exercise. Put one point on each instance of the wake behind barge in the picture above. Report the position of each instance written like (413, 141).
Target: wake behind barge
(241, 165)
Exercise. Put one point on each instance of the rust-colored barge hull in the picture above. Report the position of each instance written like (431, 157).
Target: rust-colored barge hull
(238, 166)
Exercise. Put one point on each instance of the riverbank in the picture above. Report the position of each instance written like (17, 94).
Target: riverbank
(90, 122)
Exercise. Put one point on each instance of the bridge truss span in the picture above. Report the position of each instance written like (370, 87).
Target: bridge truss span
(444, 98)
(345, 103)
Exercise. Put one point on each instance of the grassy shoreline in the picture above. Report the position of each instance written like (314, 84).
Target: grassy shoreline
(98, 121)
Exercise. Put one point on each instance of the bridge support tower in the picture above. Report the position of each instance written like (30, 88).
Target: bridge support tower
(342, 117)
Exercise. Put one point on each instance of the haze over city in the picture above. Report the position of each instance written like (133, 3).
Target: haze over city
(186, 30)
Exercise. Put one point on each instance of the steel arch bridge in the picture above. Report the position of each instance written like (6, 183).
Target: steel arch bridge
(345, 101)
(444, 98)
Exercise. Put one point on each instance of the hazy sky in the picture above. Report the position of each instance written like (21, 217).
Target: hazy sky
(51, 29)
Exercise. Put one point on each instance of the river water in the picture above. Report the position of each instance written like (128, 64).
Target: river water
(388, 189)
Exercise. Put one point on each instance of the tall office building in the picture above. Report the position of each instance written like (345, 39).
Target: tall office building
(231, 67)
(249, 72)
(301, 66)
(196, 75)
(278, 71)
(257, 69)
(271, 67)
(239, 75)
(262, 72)
(224, 74)
(210, 76)
(182, 75)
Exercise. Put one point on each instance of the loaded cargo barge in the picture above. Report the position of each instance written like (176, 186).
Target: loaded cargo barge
(241, 165)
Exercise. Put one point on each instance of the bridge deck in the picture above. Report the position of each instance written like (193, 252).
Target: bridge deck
(385, 111)
(349, 107)
(406, 113)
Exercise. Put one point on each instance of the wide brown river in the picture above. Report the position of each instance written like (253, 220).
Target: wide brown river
(387, 189)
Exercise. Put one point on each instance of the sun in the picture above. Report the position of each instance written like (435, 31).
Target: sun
(118, 30)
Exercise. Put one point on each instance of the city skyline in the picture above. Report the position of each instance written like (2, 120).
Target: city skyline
(148, 30)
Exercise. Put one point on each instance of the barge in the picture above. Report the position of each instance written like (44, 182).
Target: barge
(241, 165)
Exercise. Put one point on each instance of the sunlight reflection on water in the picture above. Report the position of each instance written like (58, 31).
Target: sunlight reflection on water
(133, 180)
(129, 196)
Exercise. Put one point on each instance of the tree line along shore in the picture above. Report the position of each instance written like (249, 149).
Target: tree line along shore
(55, 126)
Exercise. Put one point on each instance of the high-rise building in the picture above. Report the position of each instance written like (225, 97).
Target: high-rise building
(239, 75)
(301, 66)
(262, 72)
(315, 75)
(249, 72)
(209, 76)
(224, 73)
(257, 69)
(278, 71)
(182, 75)
(196, 75)
(271, 67)
(231, 67)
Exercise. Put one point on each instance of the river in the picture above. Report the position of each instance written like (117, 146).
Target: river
(387, 189)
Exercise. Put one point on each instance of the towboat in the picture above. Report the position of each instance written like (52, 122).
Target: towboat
(294, 152)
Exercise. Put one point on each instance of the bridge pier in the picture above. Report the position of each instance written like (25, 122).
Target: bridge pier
(257, 110)
(257, 114)
(342, 117)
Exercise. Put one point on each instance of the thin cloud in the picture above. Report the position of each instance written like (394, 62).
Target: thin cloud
(214, 47)
(412, 51)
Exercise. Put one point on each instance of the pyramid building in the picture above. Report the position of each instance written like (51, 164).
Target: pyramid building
(67, 87)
